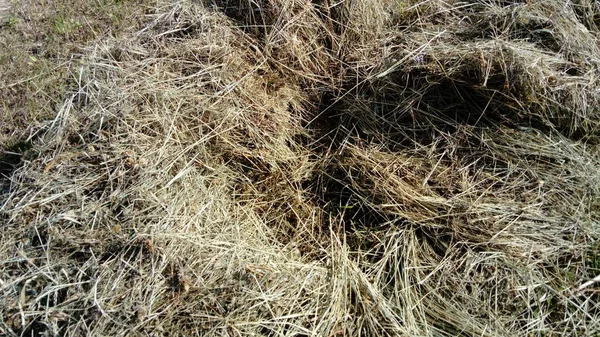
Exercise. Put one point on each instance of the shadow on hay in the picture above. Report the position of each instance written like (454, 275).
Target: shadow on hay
(427, 101)
(399, 120)
(11, 158)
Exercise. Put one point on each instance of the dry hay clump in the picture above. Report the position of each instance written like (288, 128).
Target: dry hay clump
(296, 168)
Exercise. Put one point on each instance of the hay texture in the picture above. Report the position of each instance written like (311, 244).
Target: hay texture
(316, 168)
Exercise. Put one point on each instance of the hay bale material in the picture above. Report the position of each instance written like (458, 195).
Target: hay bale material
(316, 168)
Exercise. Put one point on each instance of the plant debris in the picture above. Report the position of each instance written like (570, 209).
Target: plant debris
(316, 168)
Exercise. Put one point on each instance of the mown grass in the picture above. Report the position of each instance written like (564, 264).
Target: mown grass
(302, 168)
(40, 49)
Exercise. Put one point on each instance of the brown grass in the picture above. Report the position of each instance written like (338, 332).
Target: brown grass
(40, 47)
(297, 168)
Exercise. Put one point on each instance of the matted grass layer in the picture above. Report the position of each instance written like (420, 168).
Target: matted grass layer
(314, 168)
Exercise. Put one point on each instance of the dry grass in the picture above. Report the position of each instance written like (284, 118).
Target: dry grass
(279, 168)
(40, 49)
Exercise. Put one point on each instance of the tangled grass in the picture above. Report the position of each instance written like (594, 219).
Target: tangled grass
(316, 168)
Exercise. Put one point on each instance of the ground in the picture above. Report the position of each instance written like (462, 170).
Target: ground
(299, 168)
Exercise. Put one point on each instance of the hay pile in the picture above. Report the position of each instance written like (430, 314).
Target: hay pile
(298, 168)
